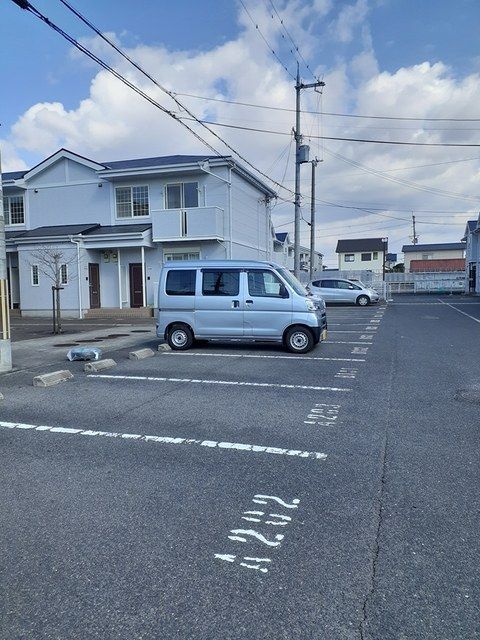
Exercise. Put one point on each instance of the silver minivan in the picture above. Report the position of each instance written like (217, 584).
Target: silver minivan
(341, 290)
(237, 300)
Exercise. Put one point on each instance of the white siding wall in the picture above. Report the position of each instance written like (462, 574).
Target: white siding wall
(358, 264)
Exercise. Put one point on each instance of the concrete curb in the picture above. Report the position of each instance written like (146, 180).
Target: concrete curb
(50, 379)
(140, 354)
(164, 347)
(99, 365)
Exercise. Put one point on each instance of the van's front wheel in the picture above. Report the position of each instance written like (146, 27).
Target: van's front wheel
(299, 340)
(180, 337)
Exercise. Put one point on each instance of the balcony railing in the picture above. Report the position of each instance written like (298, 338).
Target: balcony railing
(198, 223)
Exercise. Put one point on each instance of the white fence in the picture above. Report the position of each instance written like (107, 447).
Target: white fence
(431, 282)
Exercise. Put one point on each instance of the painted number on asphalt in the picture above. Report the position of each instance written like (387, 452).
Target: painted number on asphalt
(268, 520)
(324, 415)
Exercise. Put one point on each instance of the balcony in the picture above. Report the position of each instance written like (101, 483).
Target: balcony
(199, 223)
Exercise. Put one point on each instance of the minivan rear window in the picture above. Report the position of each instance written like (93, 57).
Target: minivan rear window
(219, 282)
(180, 282)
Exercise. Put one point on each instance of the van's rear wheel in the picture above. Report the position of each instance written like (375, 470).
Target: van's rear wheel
(180, 337)
(299, 340)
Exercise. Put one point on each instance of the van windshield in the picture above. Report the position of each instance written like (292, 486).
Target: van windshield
(296, 285)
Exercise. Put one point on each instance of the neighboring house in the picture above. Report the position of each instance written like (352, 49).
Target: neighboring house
(361, 254)
(448, 256)
(283, 254)
(115, 223)
(472, 259)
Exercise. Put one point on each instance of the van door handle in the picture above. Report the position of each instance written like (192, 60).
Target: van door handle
(235, 304)
(249, 301)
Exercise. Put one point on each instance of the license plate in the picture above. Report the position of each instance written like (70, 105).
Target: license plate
(323, 335)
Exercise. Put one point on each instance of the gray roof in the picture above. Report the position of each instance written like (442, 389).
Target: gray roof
(360, 244)
(472, 225)
(158, 161)
(445, 246)
(10, 235)
(13, 175)
(118, 228)
(58, 230)
(281, 236)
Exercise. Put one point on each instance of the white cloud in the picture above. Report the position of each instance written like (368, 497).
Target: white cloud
(114, 123)
(10, 158)
(349, 18)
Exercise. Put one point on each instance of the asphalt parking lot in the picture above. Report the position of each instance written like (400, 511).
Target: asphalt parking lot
(241, 492)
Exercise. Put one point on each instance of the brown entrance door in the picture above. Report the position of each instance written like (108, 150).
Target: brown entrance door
(136, 285)
(94, 284)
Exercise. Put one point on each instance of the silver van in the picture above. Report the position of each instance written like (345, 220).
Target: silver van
(237, 300)
(340, 290)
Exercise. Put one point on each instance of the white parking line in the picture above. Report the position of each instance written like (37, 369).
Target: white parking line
(348, 331)
(341, 342)
(211, 444)
(221, 382)
(248, 355)
(459, 311)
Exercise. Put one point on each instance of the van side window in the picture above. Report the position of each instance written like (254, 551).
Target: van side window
(220, 282)
(180, 282)
(265, 284)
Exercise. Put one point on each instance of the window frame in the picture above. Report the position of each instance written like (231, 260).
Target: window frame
(193, 293)
(131, 187)
(181, 184)
(63, 269)
(349, 255)
(7, 210)
(220, 270)
(268, 295)
(366, 253)
(180, 253)
(34, 267)
(375, 255)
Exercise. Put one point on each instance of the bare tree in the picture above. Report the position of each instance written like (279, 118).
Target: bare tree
(50, 261)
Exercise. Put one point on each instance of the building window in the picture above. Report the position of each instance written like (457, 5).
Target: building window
(366, 257)
(218, 282)
(193, 255)
(180, 282)
(13, 210)
(349, 257)
(427, 256)
(34, 274)
(63, 274)
(375, 255)
(181, 195)
(132, 202)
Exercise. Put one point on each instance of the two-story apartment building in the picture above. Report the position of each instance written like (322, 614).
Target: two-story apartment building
(361, 254)
(445, 256)
(472, 257)
(115, 223)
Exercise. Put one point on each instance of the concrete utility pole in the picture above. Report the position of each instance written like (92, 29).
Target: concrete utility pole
(300, 158)
(312, 221)
(5, 345)
(415, 239)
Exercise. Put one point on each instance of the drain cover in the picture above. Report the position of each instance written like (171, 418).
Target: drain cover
(118, 335)
(470, 394)
(140, 331)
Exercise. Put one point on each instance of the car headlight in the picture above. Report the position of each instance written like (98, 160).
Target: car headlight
(310, 305)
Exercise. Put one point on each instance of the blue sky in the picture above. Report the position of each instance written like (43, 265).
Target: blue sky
(383, 57)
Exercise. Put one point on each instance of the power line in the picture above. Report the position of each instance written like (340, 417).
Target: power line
(295, 46)
(24, 4)
(269, 46)
(392, 142)
(412, 185)
(326, 113)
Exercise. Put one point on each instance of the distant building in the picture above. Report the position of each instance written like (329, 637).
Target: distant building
(447, 256)
(361, 254)
(472, 258)
(283, 254)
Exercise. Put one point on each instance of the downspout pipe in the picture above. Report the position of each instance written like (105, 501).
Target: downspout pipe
(77, 242)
